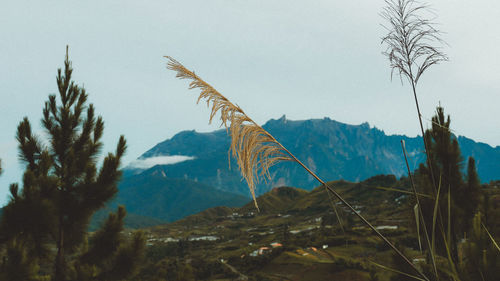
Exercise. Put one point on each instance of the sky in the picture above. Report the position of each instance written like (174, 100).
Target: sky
(304, 59)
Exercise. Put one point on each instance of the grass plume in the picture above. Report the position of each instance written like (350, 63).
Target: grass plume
(411, 39)
(254, 148)
(412, 47)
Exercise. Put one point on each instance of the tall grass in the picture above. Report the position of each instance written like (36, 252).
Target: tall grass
(411, 41)
(412, 46)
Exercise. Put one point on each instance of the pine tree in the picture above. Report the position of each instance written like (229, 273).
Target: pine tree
(62, 184)
(447, 162)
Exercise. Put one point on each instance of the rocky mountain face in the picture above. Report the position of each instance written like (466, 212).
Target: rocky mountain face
(331, 149)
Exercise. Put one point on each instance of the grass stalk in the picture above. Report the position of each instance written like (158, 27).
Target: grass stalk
(420, 213)
(336, 212)
(410, 48)
(403, 191)
(255, 149)
(434, 216)
(491, 238)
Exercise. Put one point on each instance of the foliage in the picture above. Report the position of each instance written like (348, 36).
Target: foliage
(447, 160)
(480, 259)
(19, 266)
(62, 188)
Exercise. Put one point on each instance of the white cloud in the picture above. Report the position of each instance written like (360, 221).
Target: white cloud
(159, 160)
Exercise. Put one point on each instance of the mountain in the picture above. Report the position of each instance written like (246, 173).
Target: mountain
(331, 149)
(151, 194)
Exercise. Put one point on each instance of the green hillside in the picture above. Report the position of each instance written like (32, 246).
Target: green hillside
(154, 195)
(220, 243)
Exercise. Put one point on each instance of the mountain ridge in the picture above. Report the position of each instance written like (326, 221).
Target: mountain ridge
(332, 149)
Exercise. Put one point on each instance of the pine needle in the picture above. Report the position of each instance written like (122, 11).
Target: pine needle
(253, 147)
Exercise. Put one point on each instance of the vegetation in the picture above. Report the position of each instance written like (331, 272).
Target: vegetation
(44, 225)
(448, 211)
(411, 50)
(302, 220)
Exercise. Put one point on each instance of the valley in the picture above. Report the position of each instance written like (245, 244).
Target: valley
(295, 236)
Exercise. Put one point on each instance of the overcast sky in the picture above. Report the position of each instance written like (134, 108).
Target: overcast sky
(305, 59)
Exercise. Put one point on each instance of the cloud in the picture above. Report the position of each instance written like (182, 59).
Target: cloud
(159, 160)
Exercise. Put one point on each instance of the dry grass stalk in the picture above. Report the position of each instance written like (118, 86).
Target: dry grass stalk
(253, 147)
(256, 149)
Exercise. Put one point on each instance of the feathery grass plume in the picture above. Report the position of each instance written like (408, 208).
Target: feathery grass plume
(410, 47)
(253, 147)
(410, 39)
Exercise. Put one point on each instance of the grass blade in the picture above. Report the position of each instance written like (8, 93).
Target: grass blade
(434, 216)
(491, 238)
(336, 212)
(402, 191)
(454, 274)
(417, 222)
(430, 246)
